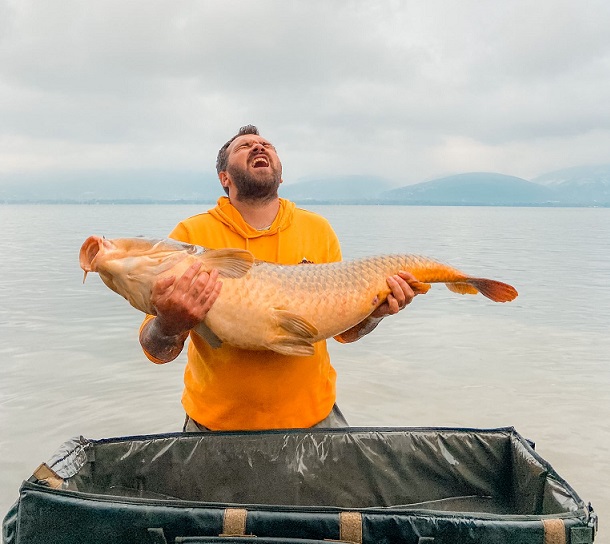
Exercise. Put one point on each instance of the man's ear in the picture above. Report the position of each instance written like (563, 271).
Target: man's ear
(224, 178)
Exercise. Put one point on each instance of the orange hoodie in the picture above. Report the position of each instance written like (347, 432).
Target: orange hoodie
(234, 389)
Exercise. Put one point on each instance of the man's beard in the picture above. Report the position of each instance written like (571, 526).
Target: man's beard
(262, 188)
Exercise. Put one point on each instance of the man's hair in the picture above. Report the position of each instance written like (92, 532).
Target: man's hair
(223, 157)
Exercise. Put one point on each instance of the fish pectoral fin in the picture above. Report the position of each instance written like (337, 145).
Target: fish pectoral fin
(462, 288)
(296, 334)
(294, 324)
(230, 263)
(206, 333)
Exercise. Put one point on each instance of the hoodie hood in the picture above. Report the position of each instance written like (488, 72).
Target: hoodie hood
(227, 214)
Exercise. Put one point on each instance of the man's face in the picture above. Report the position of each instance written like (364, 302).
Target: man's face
(254, 168)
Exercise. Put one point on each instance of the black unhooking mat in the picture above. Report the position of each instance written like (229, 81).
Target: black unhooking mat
(373, 485)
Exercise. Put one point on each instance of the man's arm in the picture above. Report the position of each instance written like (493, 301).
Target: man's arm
(157, 346)
(405, 287)
(181, 303)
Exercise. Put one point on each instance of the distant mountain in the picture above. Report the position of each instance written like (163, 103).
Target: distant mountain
(587, 185)
(579, 186)
(346, 189)
(475, 189)
(156, 186)
(109, 185)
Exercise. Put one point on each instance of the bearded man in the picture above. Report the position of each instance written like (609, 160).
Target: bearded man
(228, 388)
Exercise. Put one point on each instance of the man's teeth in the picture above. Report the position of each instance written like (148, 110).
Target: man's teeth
(260, 161)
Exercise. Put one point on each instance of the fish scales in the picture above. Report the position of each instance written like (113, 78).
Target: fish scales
(336, 295)
(284, 308)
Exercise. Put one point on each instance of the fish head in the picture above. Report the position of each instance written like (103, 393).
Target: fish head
(130, 266)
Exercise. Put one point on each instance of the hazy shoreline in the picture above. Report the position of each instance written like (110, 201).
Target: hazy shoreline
(137, 202)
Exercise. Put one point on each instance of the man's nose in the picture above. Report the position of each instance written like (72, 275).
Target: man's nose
(257, 148)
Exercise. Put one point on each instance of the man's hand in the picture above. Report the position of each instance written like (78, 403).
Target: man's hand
(405, 287)
(181, 303)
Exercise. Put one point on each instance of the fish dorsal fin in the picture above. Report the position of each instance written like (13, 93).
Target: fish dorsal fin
(462, 288)
(295, 335)
(206, 333)
(230, 263)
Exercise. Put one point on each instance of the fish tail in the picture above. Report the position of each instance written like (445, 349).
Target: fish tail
(492, 289)
(430, 271)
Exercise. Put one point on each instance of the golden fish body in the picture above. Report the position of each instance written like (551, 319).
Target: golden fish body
(284, 308)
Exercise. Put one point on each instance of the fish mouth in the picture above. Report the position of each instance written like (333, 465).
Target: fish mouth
(88, 253)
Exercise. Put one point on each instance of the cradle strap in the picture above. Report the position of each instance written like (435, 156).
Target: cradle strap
(350, 527)
(554, 531)
(48, 476)
(234, 522)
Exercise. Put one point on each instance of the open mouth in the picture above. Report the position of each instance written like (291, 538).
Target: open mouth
(260, 162)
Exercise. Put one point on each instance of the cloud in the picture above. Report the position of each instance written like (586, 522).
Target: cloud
(402, 89)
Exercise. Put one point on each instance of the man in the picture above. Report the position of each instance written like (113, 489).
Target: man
(229, 388)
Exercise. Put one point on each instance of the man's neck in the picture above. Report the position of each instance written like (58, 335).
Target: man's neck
(259, 215)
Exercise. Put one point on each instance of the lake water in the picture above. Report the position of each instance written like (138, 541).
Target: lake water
(71, 363)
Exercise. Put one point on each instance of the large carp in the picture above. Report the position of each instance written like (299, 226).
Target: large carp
(284, 308)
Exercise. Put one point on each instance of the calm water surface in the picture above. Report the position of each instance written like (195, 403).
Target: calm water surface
(71, 362)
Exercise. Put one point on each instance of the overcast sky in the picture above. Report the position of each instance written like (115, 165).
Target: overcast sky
(408, 90)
